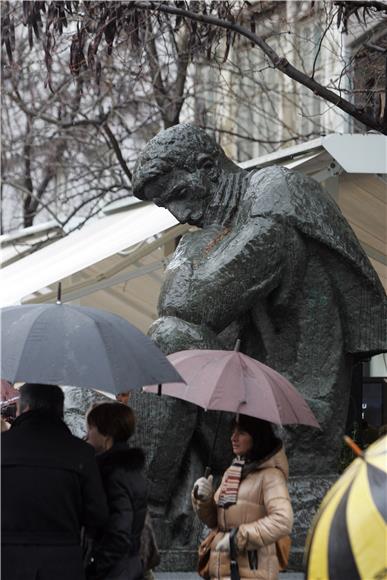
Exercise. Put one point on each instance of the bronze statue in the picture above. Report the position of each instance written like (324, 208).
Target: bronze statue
(274, 263)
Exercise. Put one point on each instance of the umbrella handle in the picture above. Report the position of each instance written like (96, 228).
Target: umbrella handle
(352, 445)
(207, 473)
(59, 293)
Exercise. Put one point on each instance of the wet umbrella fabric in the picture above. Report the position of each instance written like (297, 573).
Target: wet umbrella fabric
(78, 346)
(223, 380)
(348, 538)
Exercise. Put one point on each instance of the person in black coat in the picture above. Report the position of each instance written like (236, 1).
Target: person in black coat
(51, 487)
(115, 553)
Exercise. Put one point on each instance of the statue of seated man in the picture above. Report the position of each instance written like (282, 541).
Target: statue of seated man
(273, 263)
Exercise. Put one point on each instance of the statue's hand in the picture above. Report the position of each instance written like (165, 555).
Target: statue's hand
(172, 334)
(179, 293)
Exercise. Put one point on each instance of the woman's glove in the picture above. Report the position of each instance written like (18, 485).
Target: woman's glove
(224, 544)
(202, 488)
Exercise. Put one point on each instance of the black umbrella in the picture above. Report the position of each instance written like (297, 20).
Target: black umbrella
(78, 346)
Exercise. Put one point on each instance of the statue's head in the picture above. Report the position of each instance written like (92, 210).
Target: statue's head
(180, 169)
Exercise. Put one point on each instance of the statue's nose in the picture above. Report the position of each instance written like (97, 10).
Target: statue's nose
(184, 216)
(179, 211)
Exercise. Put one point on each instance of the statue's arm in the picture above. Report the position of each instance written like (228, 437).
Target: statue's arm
(217, 275)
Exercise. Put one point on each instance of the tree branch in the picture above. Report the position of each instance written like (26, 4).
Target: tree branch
(28, 184)
(280, 63)
(53, 121)
(116, 147)
(50, 173)
(160, 93)
(20, 188)
(255, 139)
(181, 76)
(320, 45)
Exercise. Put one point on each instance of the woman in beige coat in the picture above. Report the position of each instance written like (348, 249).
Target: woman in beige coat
(251, 505)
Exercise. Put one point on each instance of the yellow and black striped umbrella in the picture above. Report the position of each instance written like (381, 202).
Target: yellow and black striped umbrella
(348, 540)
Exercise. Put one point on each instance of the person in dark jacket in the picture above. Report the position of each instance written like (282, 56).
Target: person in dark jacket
(116, 552)
(50, 488)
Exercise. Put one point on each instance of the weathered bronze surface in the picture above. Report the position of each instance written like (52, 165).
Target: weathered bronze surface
(274, 263)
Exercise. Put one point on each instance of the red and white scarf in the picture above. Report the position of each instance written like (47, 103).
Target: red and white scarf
(230, 487)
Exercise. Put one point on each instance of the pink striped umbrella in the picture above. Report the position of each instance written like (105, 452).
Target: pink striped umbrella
(223, 380)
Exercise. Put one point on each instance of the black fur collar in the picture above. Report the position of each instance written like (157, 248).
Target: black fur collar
(121, 455)
(254, 465)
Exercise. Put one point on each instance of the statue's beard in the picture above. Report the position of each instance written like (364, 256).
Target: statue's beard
(224, 204)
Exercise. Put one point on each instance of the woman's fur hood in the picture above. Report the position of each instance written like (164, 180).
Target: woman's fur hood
(121, 455)
(277, 458)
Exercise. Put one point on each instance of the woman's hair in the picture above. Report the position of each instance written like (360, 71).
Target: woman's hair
(265, 441)
(113, 419)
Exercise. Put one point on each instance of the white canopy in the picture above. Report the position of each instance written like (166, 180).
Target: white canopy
(106, 252)
(354, 153)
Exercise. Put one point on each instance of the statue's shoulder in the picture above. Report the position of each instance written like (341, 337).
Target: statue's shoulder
(298, 200)
(281, 193)
(278, 191)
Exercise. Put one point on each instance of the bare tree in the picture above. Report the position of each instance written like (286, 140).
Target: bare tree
(57, 150)
(69, 149)
(206, 22)
(94, 80)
